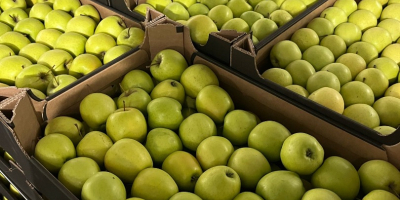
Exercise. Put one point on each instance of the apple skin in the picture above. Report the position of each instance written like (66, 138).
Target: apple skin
(169, 88)
(262, 28)
(237, 24)
(15, 40)
(99, 43)
(214, 151)
(322, 79)
(134, 98)
(90, 112)
(388, 110)
(266, 8)
(57, 19)
(4, 28)
(103, 185)
(158, 148)
(67, 126)
(142, 8)
(184, 196)
(375, 79)
(126, 158)
(10, 67)
(341, 71)
(320, 193)
(195, 128)
(164, 112)
(284, 52)
(278, 76)
(275, 185)
(363, 114)
(393, 90)
(392, 26)
(294, 7)
(237, 126)
(59, 82)
(159, 5)
(247, 195)
(379, 174)
(40, 10)
(84, 64)
(335, 15)
(334, 43)
(30, 27)
(115, 52)
(67, 5)
(371, 36)
(7, 4)
(300, 71)
(305, 38)
(200, 27)
(364, 19)
(37, 93)
(321, 26)
(318, 56)
(299, 90)
(53, 151)
(198, 9)
(168, 64)
(94, 145)
(219, 182)
(280, 17)
(137, 78)
(176, 11)
(390, 11)
(391, 52)
(33, 51)
(384, 130)
(356, 92)
(34, 76)
(347, 6)
(349, 32)
(131, 37)
(112, 25)
(88, 10)
(387, 66)
(72, 42)
(250, 17)
(12, 16)
(365, 50)
(238, 7)
(329, 98)
(354, 62)
(196, 77)
(81, 24)
(48, 37)
(186, 173)
(380, 195)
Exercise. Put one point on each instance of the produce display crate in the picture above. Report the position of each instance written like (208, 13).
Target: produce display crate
(251, 62)
(22, 122)
(219, 43)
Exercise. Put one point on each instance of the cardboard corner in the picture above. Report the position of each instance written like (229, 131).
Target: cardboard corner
(152, 16)
(393, 153)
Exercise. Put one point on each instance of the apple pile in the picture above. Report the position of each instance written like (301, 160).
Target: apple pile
(53, 43)
(347, 60)
(262, 17)
(182, 138)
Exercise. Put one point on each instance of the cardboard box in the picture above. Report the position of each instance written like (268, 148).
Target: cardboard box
(252, 62)
(246, 94)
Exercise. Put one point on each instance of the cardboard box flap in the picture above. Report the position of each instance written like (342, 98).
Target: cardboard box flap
(152, 16)
(393, 154)
(242, 59)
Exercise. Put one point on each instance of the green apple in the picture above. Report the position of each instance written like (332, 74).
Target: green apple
(377, 36)
(364, 19)
(53, 150)
(94, 145)
(38, 93)
(357, 92)
(185, 196)
(322, 79)
(57, 19)
(75, 172)
(341, 71)
(379, 175)
(389, 2)
(40, 10)
(215, 102)
(250, 17)
(278, 76)
(318, 56)
(195, 128)
(58, 60)
(81, 24)
(354, 62)
(34, 76)
(67, 5)
(4, 28)
(251, 166)
(392, 26)
(115, 52)
(365, 50)
(15, 40)
(263, 27)
(219, 182)
(329, 98)
(348, 6)
(59, 82)
(137, 78)
(10, 67)
(322, 26)
(153, 183)
(393, 90)
(30, 27)
(391, 51)
(196, 77)
(112, 25)
(294, 7)
(266, 8)
(299, 90)
(335, 15)
(385, 130)
(247, 195)
(33, 51)
(99, 43)
(334, 43)
(238, 7)
(134, 98)
(363, 114)
(126, 123)
(186, 3)
(157, 146)
(220, 15)
(280, 185)
(198, 9)
(280, 17)
(168, 64)
(84, 64)
(237, 24)
(387, 66)
(50, 2)
(6, 51)
(88, 10)
(164, 112)
(284, 52)
(375, 79)
(103, 185)
(159, 5)
(214, 151)
(131, 37)
(388, 111)
(305, 38)
(302, 153)
(380, 194)
(183, 22)
(186, 173)
(237, 126)
(126, 158)
(372, 5)
(176, 11)
(390, 12)
(13, 16)
(300, 71)
(7, 4)
(169, 88)
(72, 42)
(48, 37)
(95, 109)
(254, 3)
(200, 27)
(320, 193)
(349, 32)
(212, 3)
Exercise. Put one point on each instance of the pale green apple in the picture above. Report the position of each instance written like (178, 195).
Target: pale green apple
(184, 196)
(53, 150)
(196, 77)
(387, 66)
(137, 78)
(357, 92)
(134, 98)
(126, 158)
(158, 148)
(302, 153)
(294, 7)
(364, 114)
(393, 90)
(238, 7)
(131, 37)
(380, 194)
(348, 6)
(254, 3)
(84, 64)
(320, 193)
(251, 17)
(169, 88)
(4, 28)
(10, 67)
(15, 40)
(88, 10)
(50, 2)
(212, 3)
(372, 5)
(341, 71)
(176, 11)
(284, 52)
(299, 90)
(195, 128)
(59, 82)
(99, 43)
(164, 112)
(72, 42)
(389, 2)
(112, 25)
(103, 185)
(388, 110)
(58, 60)
(323, 27)
(366, 50)
(247, 195)
(334, 43)
(364, 19)
(95, 109)
(220, 15)
(280, 185)
(75, 172)
(33, 51)
(390, 12)
(154, 183)
(94, 145)
(67, 5)
(38, 93)
(7, 4)
(251, 166)
(48, 37)
(375, 79)
(214, 151)
(198, 9)
(238, 125)
(392, 26)
(168, 64)
(186, 3)
(349, 32)
(318, 56)
(237, 24)
(335, 15)
(30, 27)
(354, 62)
(263, 27)
(300, 71)
(34, 76)
(278, 76)
(391, 51)
(115, 52)
(329, 98)
(183, 22)
(83, 25)
(280, 17)
(40, 10)
(305, 38)
(13, 16)
(377, 36)
(266, 8)
(385, 130)
(57, 19)
(215, 102)
(200, 27)
(159, 5)
(219, 182)
(6, 51)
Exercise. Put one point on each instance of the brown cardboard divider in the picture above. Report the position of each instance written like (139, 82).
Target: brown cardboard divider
(127, 6)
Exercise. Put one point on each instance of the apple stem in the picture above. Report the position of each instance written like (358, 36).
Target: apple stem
(56, 80)
(173, 83)
(79, 131)
(129, 32)
(121, 22)
(124, 105)
(121, 88)
(14, 18)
